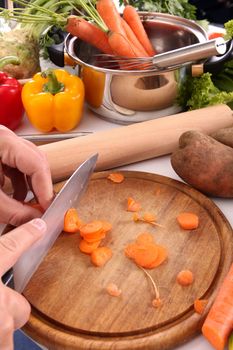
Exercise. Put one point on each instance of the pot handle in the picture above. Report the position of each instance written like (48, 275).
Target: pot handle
(215, 63)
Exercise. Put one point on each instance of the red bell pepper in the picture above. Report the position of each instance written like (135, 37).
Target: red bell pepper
(11, 106)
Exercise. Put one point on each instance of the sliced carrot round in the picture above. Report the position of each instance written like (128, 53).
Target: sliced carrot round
(200, 305)
(101, 255)
(185, 278)
(132, 205)
(130, 250)
(93, 227)
(162, 256)
(87, 247)
(145, 237)
(145, 254)
(116, 177)
(188, 221)
(149, 217)
(72, 222)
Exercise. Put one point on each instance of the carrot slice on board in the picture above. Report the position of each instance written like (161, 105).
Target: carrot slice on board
(130, 250)
(72, 222)
(93, 227)
(218, 324)
(113, 290)
(100, 256)
(145, 254)
(188, 221)
(200, 305)
(87, 247)
(132, 205)
(116, 177)
(145, 237)
(162, 256)
(149, 217)
(107, 226)
(185, 278)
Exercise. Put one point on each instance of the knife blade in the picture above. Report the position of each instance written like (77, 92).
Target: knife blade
(68, 197)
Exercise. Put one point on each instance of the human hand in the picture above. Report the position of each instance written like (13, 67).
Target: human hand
(25, 165)
(14, 308)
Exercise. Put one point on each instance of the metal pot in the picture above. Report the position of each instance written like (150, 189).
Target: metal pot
(126, 97)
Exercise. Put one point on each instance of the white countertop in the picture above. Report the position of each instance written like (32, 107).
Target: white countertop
(161, 165)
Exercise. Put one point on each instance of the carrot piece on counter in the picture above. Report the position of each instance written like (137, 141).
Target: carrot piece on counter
(116, 177)
(72, 222)
(110, 15)
(215, 35)
(131, 16)
(89, 33)
(200, 305)
(132, 205)
(188, 221)
(113, 290)
(100, 256)
(185, 278)
(144, 237)
(87, 247)
(218, 324)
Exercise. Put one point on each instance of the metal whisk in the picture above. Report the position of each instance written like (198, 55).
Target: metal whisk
(165, 60)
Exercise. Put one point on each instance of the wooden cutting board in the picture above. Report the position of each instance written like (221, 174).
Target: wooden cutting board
(70, 306)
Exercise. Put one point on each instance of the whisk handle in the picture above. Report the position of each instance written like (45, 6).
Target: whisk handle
(190, 53)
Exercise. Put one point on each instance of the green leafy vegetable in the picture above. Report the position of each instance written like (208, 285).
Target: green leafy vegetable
(229, 29)
(176, 7)
(201, 92)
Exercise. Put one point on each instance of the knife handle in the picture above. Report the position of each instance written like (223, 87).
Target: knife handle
(8, 279)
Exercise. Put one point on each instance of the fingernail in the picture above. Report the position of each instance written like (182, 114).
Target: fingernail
(39, 224)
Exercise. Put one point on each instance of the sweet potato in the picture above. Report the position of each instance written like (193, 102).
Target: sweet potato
(224, 136)
(204, 163)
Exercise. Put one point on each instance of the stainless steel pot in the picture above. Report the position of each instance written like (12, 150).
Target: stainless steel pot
(126, 97)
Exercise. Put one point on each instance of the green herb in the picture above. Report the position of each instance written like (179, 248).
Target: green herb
(176, 7)
(201, 92)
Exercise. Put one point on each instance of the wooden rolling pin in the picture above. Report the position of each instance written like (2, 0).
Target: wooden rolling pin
(133, 143)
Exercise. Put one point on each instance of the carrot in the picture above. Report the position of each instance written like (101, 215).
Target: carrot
(149, 217)
(185, 278)
(215, 35)
(100, 256)
(89, 33)
(133, 39)
(145, 254)
(72, 222)
(121, 45)
(116, 177)
(108, 11)
(93, 231)
(188, 221)
(132, 205)
(35, 206)
(113, 290)
(106, 226)
(87, 247)
(200, 305)
(218, 324)
(162, 256)
(145, 237)
(130, 250)
(131, 16)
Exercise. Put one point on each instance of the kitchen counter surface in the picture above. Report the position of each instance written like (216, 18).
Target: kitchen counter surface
(161, 165)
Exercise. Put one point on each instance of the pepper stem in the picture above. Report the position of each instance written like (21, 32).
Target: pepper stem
(53, 85)
(9, 60)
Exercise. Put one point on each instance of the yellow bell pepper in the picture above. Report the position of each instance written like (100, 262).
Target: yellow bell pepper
(54, 100)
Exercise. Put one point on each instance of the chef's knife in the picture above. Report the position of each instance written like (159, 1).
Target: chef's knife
(54, 216)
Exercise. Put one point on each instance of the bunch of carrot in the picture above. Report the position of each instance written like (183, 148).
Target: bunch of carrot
(111, 33)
